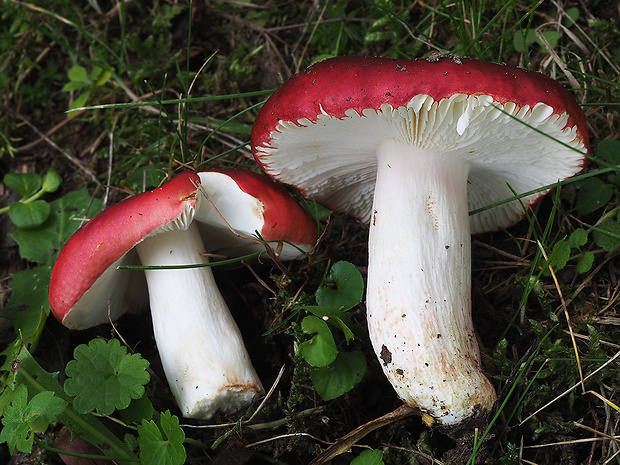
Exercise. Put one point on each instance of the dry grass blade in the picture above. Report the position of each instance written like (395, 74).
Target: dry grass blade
(573, 441)
(316, 24)
(568, 322)
(587, 338)
(604, 399)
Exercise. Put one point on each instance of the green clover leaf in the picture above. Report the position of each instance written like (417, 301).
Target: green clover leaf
(162, 445)
(103, 377)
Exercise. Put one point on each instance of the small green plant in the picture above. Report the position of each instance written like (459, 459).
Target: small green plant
(23, 418)
(30, 211)
(523, 39)
(593, 195)
(81, 79)
(28, 307)
(161, 442)
(102, 379)
(333, 370)
(563, 249)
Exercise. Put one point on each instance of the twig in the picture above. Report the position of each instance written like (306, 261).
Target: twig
(344, 443)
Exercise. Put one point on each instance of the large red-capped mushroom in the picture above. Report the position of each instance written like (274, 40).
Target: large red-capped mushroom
(203, 356)
(410, 147)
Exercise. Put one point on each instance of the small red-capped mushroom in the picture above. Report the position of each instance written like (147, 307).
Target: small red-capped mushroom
(253, 206)
(203, 356)
(411, 146)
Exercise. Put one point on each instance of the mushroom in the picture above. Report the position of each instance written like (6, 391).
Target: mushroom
(203, 356)
(410, 147)
(249, 203)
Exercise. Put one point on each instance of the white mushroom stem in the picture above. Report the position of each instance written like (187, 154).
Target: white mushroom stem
(418, 296)
(206, 363)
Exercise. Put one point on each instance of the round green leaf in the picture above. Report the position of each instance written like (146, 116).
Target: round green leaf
(51, 181)
(39, 244)
(78, 73)
(552, 37)
(138, 410)
(559, 256)
(607, 235)
(349, 287)
(29, 215)
(521, 41)
(578, 238)
(609, 150)
(80, 101)
(341, 376)
(25, 184)
(321, 349)
(593, 194)
(586, 262)
(369, 457)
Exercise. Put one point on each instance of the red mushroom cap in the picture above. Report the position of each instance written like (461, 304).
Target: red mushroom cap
(285, 219)
(110, 235)
(338, 85)
(315, 132)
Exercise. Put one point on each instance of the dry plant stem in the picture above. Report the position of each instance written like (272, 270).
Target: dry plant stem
(345, 443)
(587, 338)
(201, 349)
(574, 441)
(418, 294)
(566, 315)
(316, 25)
